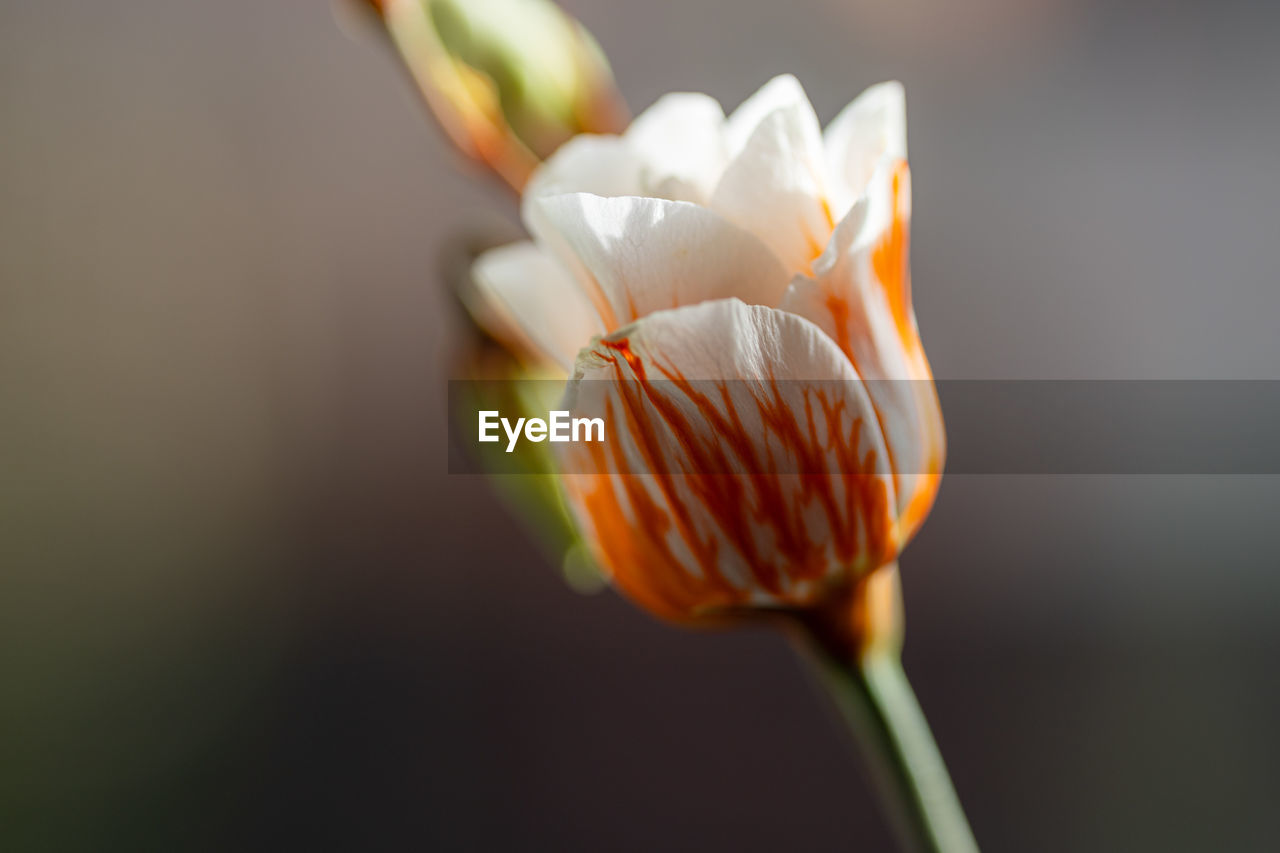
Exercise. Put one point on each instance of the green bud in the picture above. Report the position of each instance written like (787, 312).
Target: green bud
(510, 80)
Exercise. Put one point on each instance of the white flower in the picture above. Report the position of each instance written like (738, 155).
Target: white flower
(754, 249)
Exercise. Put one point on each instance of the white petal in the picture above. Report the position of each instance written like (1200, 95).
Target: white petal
(674, 188)
(782, 92)
(645, 254)
(872, 126)
(709, 514)
(588, 163)
(775, 188)
(538, 298)
(860, 296)
(680, 140)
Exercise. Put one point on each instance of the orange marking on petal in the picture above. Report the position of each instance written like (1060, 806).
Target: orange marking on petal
(838, 307)
(686, 494)
(842, 319)
(889, 259)
(623, 348)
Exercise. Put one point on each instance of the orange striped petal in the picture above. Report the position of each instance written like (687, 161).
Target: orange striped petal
(860, 295)
(765, 478)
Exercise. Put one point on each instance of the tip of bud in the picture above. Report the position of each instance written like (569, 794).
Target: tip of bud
(509, 80)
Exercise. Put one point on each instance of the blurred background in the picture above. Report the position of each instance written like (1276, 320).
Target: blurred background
(243, 605)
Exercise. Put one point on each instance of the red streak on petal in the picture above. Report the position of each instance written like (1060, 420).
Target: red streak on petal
(758, 514)
(623, 348)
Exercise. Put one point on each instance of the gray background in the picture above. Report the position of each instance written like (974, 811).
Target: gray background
(242, 605)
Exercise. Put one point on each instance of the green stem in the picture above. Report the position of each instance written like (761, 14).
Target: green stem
(877, 702)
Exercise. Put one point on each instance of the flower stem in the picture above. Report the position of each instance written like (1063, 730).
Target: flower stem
(859, 662)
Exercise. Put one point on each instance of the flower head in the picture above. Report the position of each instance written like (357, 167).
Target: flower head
(756, 255)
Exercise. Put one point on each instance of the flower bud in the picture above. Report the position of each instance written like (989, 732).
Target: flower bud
(509, 80)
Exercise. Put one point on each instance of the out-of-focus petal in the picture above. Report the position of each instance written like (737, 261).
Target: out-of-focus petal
(782, 92)
(871, 127)
(860, 296)
(640, 255)
(680, 140)
(776, 186)
(751, 391)
(601, 165)
(537, 299)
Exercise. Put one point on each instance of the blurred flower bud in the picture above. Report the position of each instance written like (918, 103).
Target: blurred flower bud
(509, 80)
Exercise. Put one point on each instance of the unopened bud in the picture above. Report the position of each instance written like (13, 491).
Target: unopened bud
(509, 80)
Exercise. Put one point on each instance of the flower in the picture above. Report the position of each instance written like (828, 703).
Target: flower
(696, 252)
(742, 290)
